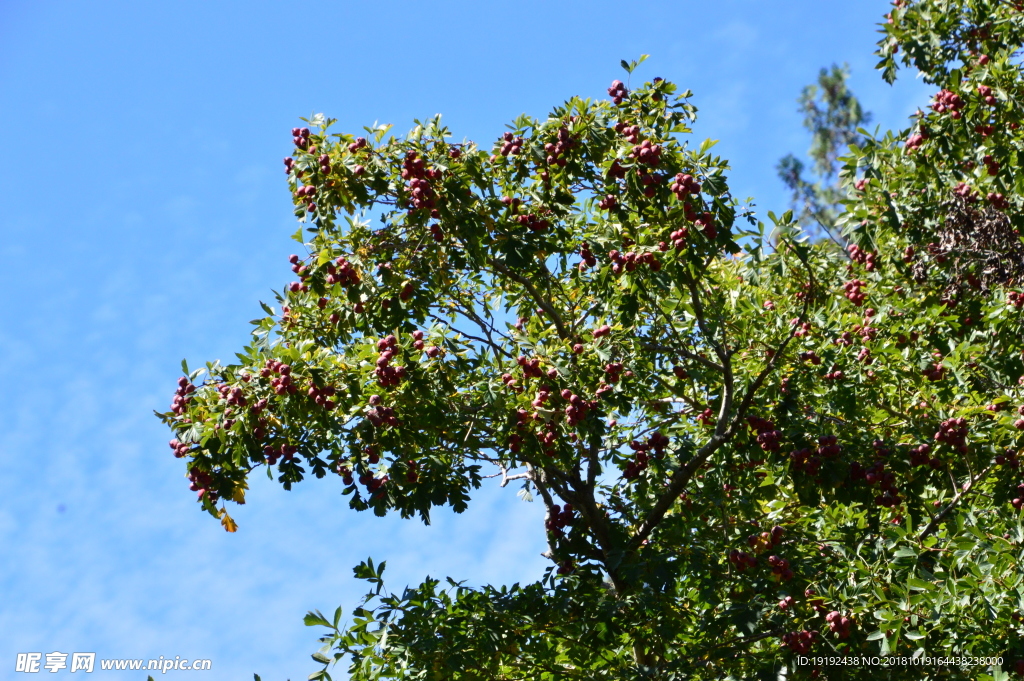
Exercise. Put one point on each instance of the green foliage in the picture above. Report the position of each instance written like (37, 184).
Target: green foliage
(750, 446)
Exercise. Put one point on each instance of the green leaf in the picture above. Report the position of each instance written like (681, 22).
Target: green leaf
(313, 619)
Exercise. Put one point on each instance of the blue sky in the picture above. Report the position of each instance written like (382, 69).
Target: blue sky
(144, 213)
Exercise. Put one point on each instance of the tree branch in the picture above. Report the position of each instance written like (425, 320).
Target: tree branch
(537, 297)
(941, 515)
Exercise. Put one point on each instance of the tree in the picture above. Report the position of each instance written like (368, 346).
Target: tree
(833, 115)
(750, 449)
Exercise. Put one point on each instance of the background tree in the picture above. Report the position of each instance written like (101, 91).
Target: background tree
(748, 452)
(833, 115)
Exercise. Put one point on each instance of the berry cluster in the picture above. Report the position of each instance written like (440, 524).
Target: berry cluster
(542, 397)
(828, 446)
(706, 222)
(741, 560)
(381, 416)
(511, 144)
(647, 153)
(780, 567)
(234, 397)
(180, 448)
(875, 474)
(510, 382)
(289, 164)
(986, 94)
(853, 291)
(921, 456)
(417, 340)
(300, 136)
(360, 143)
(1016, 299)
(609, 202)
(806, 460)
(839, 624)
(786, 603)
(917, 139)
(706, 417)
(800, 641)
(954, 433)
(934, 372)
(282, 383)
(413, 474)
(533, 222)
(949, 101)
(589, 260)
(810, 356)
(436, 232)
(416, 175)
(683, 185)
(866, 258)
(531, 367)
(1018, 501)
(679, 237)
(274, 453)
(632, 135)
(985, 130)
(549, 438)
(556, 150)
(407, 291)
(341, 272)
(558, 519)
(1008, 459)
(200, 483)
(628, 261)
(836, 374)
(325, 164)
(998, 201)
(614, 371)
(182, 396)
(964, 191)
(373, 485)
(936, 251)
(641, 458)
(618, 91)
(578, 408)
(767, 435)
(991, 164)
(301, 270)
(322, 395)
(387, 375)
(766, 540)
